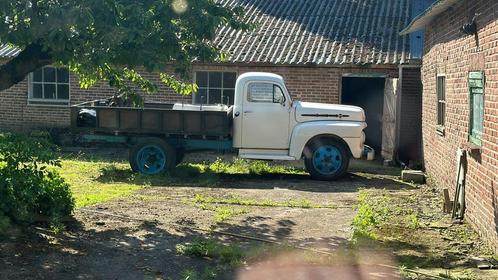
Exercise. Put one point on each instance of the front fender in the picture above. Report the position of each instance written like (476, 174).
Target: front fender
(350, 132)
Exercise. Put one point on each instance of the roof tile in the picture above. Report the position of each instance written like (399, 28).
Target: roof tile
(319, 32)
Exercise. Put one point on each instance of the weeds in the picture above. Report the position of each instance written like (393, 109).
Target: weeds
(226, 254)
(241, 166)
(210, 273)
(372, 212)
(299, 203)
(189, 274)
(412, 221)
(57, 227)
(223, 214)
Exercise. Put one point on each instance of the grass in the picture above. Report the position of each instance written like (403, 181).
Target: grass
(234, 200)
(372, 213)
(87, 190)
(221, 213)
(230, 254)
(241, 166)
(98, 178)
(410, 224)
(223, 256)
(224, 210)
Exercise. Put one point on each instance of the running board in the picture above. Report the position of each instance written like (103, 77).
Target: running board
(266, 157)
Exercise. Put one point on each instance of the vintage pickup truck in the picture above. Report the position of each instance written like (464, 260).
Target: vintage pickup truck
(264, 123)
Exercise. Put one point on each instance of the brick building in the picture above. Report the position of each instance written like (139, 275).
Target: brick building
(460, 102)
(328, 51)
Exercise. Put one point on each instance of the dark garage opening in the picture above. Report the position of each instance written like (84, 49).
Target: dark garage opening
(367, 93)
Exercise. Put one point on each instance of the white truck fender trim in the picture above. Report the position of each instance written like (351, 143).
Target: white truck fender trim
(350, 132)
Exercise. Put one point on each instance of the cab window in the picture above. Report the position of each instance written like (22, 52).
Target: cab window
(265, 93)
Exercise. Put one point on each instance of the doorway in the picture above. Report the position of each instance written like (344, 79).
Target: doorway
(367, 93)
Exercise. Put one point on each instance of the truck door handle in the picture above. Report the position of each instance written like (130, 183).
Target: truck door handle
(247, 112)
(237, 114)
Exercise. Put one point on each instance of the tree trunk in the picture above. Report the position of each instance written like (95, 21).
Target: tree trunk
(28, 60)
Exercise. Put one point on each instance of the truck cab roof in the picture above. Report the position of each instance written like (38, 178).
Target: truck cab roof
(261, 76)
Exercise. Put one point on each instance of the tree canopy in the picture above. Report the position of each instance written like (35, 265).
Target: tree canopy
(111, 39)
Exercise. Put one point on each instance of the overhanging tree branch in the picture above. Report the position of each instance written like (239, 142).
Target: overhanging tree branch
(28, 60)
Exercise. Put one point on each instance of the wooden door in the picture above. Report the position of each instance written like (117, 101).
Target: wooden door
(389, 119)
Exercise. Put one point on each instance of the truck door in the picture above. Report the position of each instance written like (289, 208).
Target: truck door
(265, 117)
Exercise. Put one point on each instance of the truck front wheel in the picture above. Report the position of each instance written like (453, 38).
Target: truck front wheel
(152, 156)
(326, 159)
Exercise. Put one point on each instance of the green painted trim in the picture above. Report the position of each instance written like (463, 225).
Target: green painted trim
(104, 138)
(214, 145)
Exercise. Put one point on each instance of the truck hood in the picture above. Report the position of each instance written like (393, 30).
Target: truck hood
(306, 112)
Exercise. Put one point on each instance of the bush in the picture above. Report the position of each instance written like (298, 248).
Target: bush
(29, 186)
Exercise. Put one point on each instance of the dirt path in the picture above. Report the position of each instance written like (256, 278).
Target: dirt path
(99, 246)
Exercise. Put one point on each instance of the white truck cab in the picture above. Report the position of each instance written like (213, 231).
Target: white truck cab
(268, 125)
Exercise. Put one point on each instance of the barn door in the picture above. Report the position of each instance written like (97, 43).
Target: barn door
(389, 119)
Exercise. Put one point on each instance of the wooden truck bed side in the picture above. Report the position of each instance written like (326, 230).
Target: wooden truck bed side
(152, 119)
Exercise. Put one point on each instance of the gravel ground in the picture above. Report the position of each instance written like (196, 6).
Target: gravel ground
(135, 237)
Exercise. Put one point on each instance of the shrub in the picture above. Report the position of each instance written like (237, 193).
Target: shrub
(28, 184)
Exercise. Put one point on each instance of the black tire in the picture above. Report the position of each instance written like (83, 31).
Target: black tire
(165, 153)
(180, 155)
(326, 159)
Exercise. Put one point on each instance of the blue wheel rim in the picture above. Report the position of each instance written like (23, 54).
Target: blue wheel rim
(327, 160)
(151, 160)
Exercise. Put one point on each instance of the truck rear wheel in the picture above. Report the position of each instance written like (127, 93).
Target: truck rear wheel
(152, 156)
(180, 155)
(326, 159)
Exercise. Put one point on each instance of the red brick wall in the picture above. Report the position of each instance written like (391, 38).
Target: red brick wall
(448, 51)
(319, 84)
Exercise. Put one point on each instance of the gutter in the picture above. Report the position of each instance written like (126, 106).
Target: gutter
(431, 13)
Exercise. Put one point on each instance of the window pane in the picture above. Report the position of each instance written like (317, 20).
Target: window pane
(443, 113)
(229, 79)
(215, 79)
(279, 95)
(214, 96)
(37, 91)
(201, 79)
(63, 92)
(49, 74)
(49, 92)
(260, 92)
(228, 95)
(62, 75)
(37, 75)
(200, 96)
(477, 114)
(440, 90)
(443, 88)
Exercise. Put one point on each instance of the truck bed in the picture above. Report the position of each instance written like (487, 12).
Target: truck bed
(153, 119)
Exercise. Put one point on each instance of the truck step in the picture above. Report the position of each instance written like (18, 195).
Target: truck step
(266, 157)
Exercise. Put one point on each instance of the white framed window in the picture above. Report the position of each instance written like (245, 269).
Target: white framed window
(49, 86)
(441, 102)
(476, 81)
(214, 87)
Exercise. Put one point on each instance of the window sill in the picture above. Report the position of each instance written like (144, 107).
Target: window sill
(440, 130)
(472, 147)
(48, 104)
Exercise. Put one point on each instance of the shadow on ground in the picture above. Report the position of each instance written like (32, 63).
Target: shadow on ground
(363, 174)
(108, 248)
